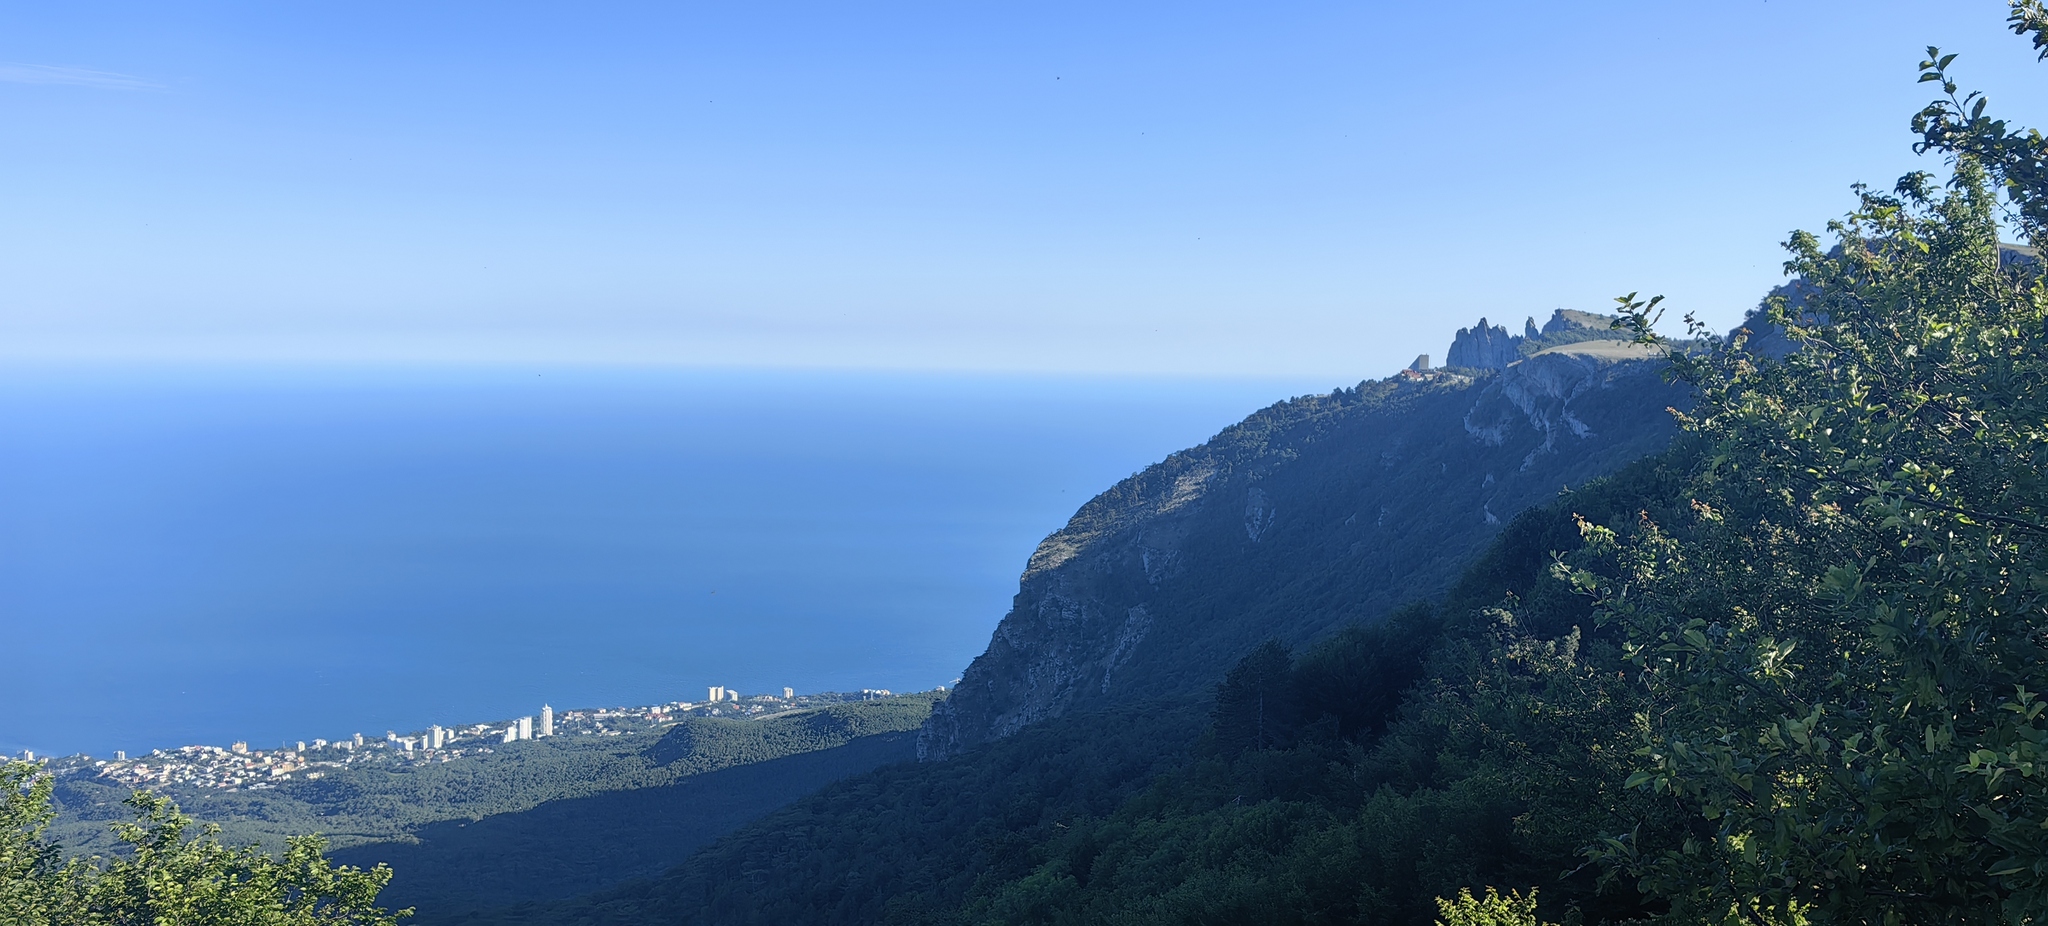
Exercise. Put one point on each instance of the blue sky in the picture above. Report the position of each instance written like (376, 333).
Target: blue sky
(1319, 189)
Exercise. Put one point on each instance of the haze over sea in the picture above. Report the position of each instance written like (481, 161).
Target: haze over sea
(262, 555)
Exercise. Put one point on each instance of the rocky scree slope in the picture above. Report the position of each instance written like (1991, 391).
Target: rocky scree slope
(1309, 515)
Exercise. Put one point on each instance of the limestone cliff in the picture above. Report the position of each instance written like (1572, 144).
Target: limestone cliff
(1483, 347)
(1310, 514)
(1490, 347)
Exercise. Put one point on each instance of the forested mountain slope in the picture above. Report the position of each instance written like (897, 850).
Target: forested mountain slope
(575, 845)
(1311, 514)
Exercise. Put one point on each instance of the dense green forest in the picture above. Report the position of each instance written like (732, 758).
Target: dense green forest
(576, 845)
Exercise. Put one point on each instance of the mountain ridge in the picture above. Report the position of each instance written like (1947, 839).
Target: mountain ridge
(1155, 555)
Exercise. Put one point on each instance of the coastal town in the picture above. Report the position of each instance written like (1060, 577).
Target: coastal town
(240, 766)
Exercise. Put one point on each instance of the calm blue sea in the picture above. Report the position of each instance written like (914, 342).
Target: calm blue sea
(202, 557)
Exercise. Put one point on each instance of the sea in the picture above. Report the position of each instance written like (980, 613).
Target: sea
(269, 555)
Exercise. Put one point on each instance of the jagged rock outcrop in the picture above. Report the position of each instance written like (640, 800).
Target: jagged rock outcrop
(1490, 347)
(1483, 347)
(1308, 515)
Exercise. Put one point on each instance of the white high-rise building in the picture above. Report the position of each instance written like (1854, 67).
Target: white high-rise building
(302, 746)
(717, 693)
(511, 733)
(547, 720)
(732, 694)
(436, 736)
(120, 755)
(788, 693)
(359, 739)
(526, 728)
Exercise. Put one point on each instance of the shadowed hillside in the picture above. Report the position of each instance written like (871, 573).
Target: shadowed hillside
(1313, 513)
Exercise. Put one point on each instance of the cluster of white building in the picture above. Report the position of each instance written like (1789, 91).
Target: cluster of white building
(721, 693)
(522, 729)
(439, 739)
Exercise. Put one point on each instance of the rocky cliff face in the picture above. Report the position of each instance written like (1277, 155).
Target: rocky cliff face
(1308, 515)
(1483, 347)
(1490, 347)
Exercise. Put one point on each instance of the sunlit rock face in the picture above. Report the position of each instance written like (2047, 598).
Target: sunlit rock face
(1308, 515)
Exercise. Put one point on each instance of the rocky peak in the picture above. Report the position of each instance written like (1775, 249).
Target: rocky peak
(1483, 347)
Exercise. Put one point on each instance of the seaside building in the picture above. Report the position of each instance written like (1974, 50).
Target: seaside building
(512, 733)
(359, 739)
(732, 694)
(788, 692)
(436, 737)
(240, 748)
(120, 755)
(526, 728)
(547, 720)
(302, 746)
(717, 693)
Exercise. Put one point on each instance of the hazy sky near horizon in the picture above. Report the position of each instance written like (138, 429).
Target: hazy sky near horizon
(1252, 189)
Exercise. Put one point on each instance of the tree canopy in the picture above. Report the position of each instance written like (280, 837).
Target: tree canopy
(1843, 639)
(168, 875)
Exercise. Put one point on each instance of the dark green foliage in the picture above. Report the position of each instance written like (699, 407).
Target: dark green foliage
(2016, 158)
(1257, 706)
(1357, 678)
(163, 876)
(575, 845)
(1841, 640)
(907, 842)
